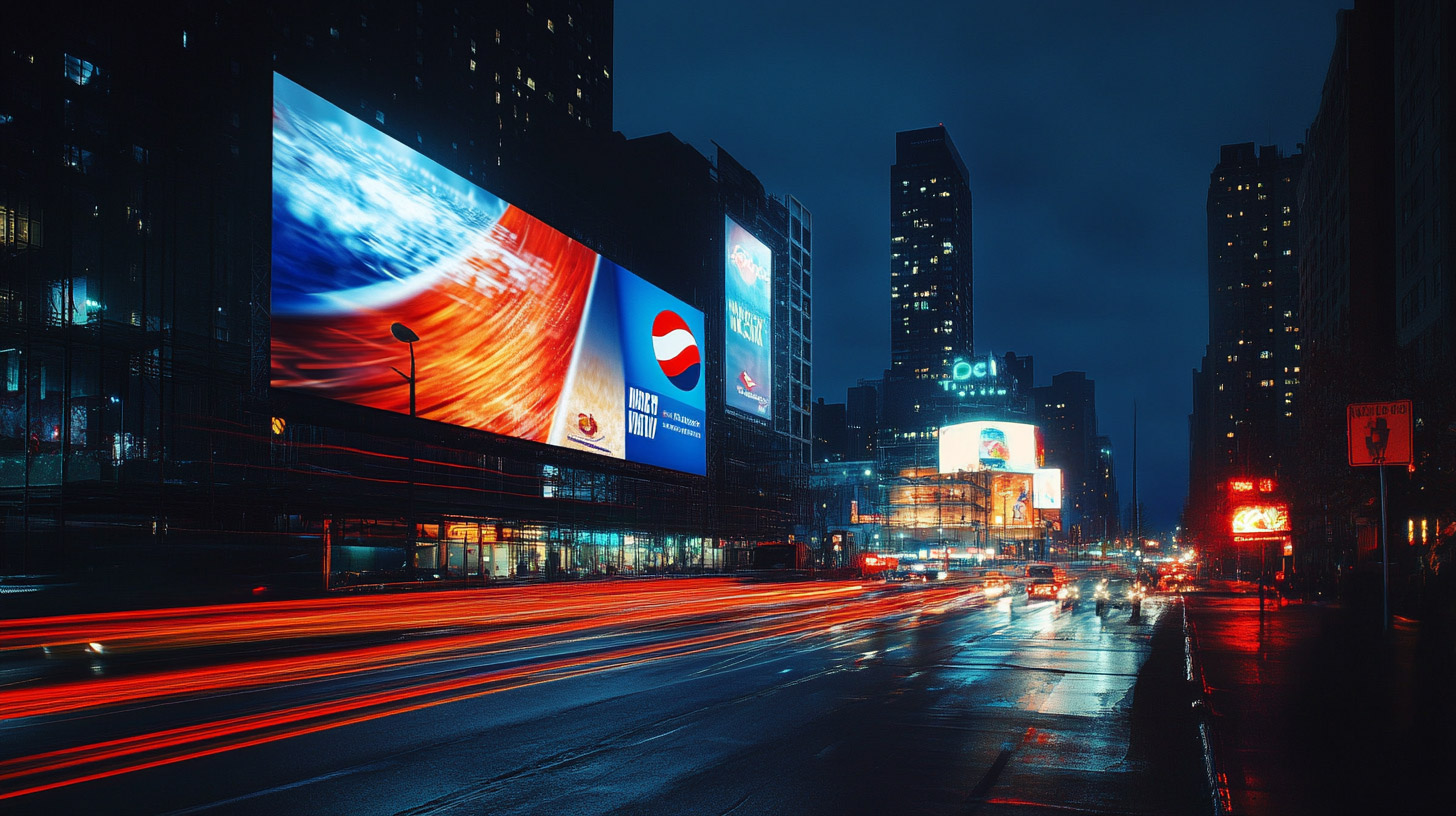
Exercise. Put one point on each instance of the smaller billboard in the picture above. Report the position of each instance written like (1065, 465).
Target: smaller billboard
(981, 445)
(748, 341)
(1047, 484)
(1260, 519)
(1011, 500)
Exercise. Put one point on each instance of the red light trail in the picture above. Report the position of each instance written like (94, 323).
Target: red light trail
(591, 620)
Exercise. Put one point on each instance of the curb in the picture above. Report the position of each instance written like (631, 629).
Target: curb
(1217, 779)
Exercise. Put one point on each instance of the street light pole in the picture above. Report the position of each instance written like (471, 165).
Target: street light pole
(405, 335)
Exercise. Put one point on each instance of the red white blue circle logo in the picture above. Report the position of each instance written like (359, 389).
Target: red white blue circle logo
(676, 350)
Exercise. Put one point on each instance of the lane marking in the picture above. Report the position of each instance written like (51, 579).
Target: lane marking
(277, 789)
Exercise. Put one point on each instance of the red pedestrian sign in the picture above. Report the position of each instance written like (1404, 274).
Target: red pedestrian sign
(1379, 433)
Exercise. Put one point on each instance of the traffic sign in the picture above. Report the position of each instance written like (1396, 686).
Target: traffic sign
(1379, 433)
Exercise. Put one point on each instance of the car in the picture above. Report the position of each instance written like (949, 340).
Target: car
(993, 583)
(1118, 593)
(1041, 571)
(1042, 589)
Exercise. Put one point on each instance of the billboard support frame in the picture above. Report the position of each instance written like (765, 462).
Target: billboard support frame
(1384, 560)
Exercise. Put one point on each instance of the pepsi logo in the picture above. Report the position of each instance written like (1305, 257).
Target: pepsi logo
(676, 350)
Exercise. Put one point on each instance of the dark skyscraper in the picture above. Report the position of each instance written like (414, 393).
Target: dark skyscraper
(829, 432)
(1245, 396)
(1253, 301)
(930, 256)
(1066, 412)
(862, 420)
(1346, 277)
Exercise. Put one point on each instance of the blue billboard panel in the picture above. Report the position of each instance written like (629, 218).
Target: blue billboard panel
(666, 406)
(522, 331)
(748, 340)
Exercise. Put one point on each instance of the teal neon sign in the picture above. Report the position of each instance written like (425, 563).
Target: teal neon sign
(964, 370)
(964, 375)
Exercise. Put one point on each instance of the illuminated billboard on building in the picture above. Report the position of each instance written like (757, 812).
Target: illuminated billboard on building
(1011, 499)
(1008, 446)
(748, 340)
(521, 331)
(1255, 520)
(1047, 483)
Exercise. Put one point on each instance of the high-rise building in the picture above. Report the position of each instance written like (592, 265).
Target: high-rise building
(1425, 235)
(862, 419)
(796, 312)
(1066, 414)
(1347, 281)
(830, 432)
(1103, 524)
(1246, 395)
(930, 256)
(1253, 307)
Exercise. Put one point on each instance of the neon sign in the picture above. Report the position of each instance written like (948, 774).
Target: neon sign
(965, 371)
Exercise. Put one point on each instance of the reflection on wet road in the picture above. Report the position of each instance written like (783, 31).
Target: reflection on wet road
(703, 696)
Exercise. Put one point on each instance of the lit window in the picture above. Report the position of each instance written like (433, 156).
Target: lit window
(80, 71)
(472, 65)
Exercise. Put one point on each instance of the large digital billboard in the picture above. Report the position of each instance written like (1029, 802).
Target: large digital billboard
(521, 331)
(748, 341)
(974, 446)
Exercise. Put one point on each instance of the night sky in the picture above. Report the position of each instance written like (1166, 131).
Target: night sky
(1089, 129)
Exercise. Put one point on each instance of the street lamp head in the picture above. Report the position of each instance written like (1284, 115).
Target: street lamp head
(403, 333)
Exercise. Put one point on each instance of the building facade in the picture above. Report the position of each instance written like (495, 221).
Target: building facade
(1424, 299)
(831, 432)
(140, 440)
(1246, 395)
(1066, 413)
(931, 275)
(1347, 296)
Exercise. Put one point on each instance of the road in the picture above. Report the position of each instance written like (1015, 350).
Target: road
(669, 697)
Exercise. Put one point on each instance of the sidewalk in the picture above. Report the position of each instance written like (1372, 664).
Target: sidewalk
(1309, 713)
